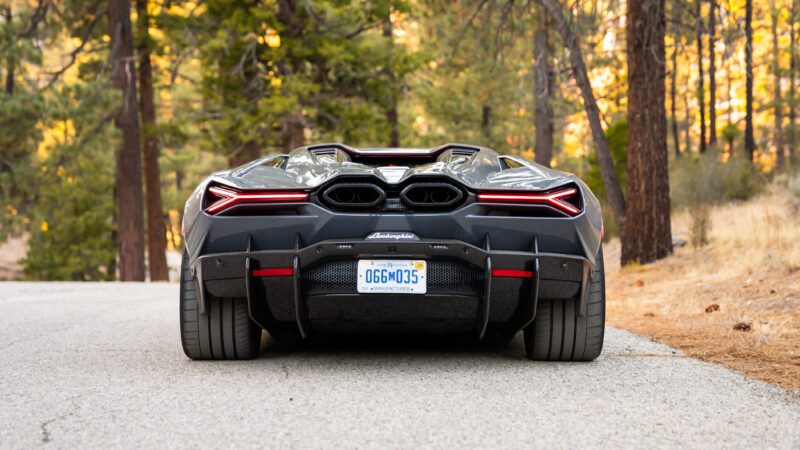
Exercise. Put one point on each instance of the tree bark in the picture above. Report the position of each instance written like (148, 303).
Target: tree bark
(777, 99)
(543, 93)
(292, 132)
(10, 63)
(129, 202)
(647, 221)
(749, 138)
(712, 74)
(792, 81)
(687, 114)
(613, 190)
(673, 97)
(391, 111)
(486, 122)
(729, 78)
(701, 94)
(156, 229)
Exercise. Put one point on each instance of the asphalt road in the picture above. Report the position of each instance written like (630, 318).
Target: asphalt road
(100, 365)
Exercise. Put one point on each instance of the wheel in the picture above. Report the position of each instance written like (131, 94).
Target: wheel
(558, 333)
(225, 331)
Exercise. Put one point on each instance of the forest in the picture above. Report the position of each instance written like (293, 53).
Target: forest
(112, 111)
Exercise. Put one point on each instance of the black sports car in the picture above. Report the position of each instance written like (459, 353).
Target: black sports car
(456, 238)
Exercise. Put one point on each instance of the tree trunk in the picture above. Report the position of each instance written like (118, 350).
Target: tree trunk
(613, 190)
(729, 77)
(777, 100)
(130, 217)
(156, 230)
(391, 111)
(647, 221)
(749, 138)
(687, 114)
(543, 92)
(792, 80)
(712, 74)
(10, 63)
(701, 94)
(673, 97)
(486, 122)
(292, 132)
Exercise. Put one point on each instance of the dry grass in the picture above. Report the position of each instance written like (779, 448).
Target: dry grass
(734, 302)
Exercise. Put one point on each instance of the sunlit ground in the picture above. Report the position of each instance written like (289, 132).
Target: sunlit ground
(735, 301)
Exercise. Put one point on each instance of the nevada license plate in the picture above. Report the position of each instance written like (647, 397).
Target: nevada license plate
(392, 276)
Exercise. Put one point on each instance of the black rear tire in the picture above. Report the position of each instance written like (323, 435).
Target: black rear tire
(559, 333)
(225, 331)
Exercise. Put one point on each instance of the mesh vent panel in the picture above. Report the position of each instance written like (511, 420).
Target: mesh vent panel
(444, 277)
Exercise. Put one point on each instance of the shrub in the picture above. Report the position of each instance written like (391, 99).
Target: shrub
(701, 225)
(617, 135)
(741, 180)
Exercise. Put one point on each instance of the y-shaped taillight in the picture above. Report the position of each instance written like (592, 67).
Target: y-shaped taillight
(564, 200)
(224, 198)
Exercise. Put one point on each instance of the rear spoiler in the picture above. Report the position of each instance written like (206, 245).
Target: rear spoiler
(412, 153)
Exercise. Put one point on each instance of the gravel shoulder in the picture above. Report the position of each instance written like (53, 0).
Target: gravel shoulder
(100, 365)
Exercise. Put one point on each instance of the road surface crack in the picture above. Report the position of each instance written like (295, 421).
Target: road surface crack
(44, 426)
(45, 431)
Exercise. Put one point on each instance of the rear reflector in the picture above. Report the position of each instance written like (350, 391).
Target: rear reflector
(512, 273)
(276, 272)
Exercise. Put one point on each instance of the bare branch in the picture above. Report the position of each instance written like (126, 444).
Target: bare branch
(467, 26)
(73, 56)
(38, 16)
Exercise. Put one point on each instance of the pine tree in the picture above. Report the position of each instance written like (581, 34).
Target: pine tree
(749, 136)
(130, 211)
(647, 236)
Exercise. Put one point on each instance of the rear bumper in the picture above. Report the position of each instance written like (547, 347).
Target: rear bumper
(295, 298)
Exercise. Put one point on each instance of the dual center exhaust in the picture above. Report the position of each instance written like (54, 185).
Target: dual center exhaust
(414, 196)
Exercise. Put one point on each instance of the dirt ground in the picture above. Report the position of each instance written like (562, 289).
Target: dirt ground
(734, 302)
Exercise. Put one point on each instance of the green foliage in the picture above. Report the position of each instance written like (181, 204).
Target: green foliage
(741, 180)
(703, 179)
(20, 108)
(18, 139)
(71, 218)
(617, 135)
(270, 72)
(472, 70)
(731, 132)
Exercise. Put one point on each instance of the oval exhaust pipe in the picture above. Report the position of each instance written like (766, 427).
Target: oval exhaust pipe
(354, 195)
(431, 195)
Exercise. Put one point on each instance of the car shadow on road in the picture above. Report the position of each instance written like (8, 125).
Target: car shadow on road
(397, 345)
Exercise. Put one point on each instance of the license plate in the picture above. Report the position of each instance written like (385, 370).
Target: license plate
(392, 276)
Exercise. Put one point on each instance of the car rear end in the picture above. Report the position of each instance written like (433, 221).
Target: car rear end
(425, 252)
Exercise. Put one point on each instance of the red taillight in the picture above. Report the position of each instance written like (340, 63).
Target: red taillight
(512, 273)
(276, 272)
(555, 199)
(225, 198)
